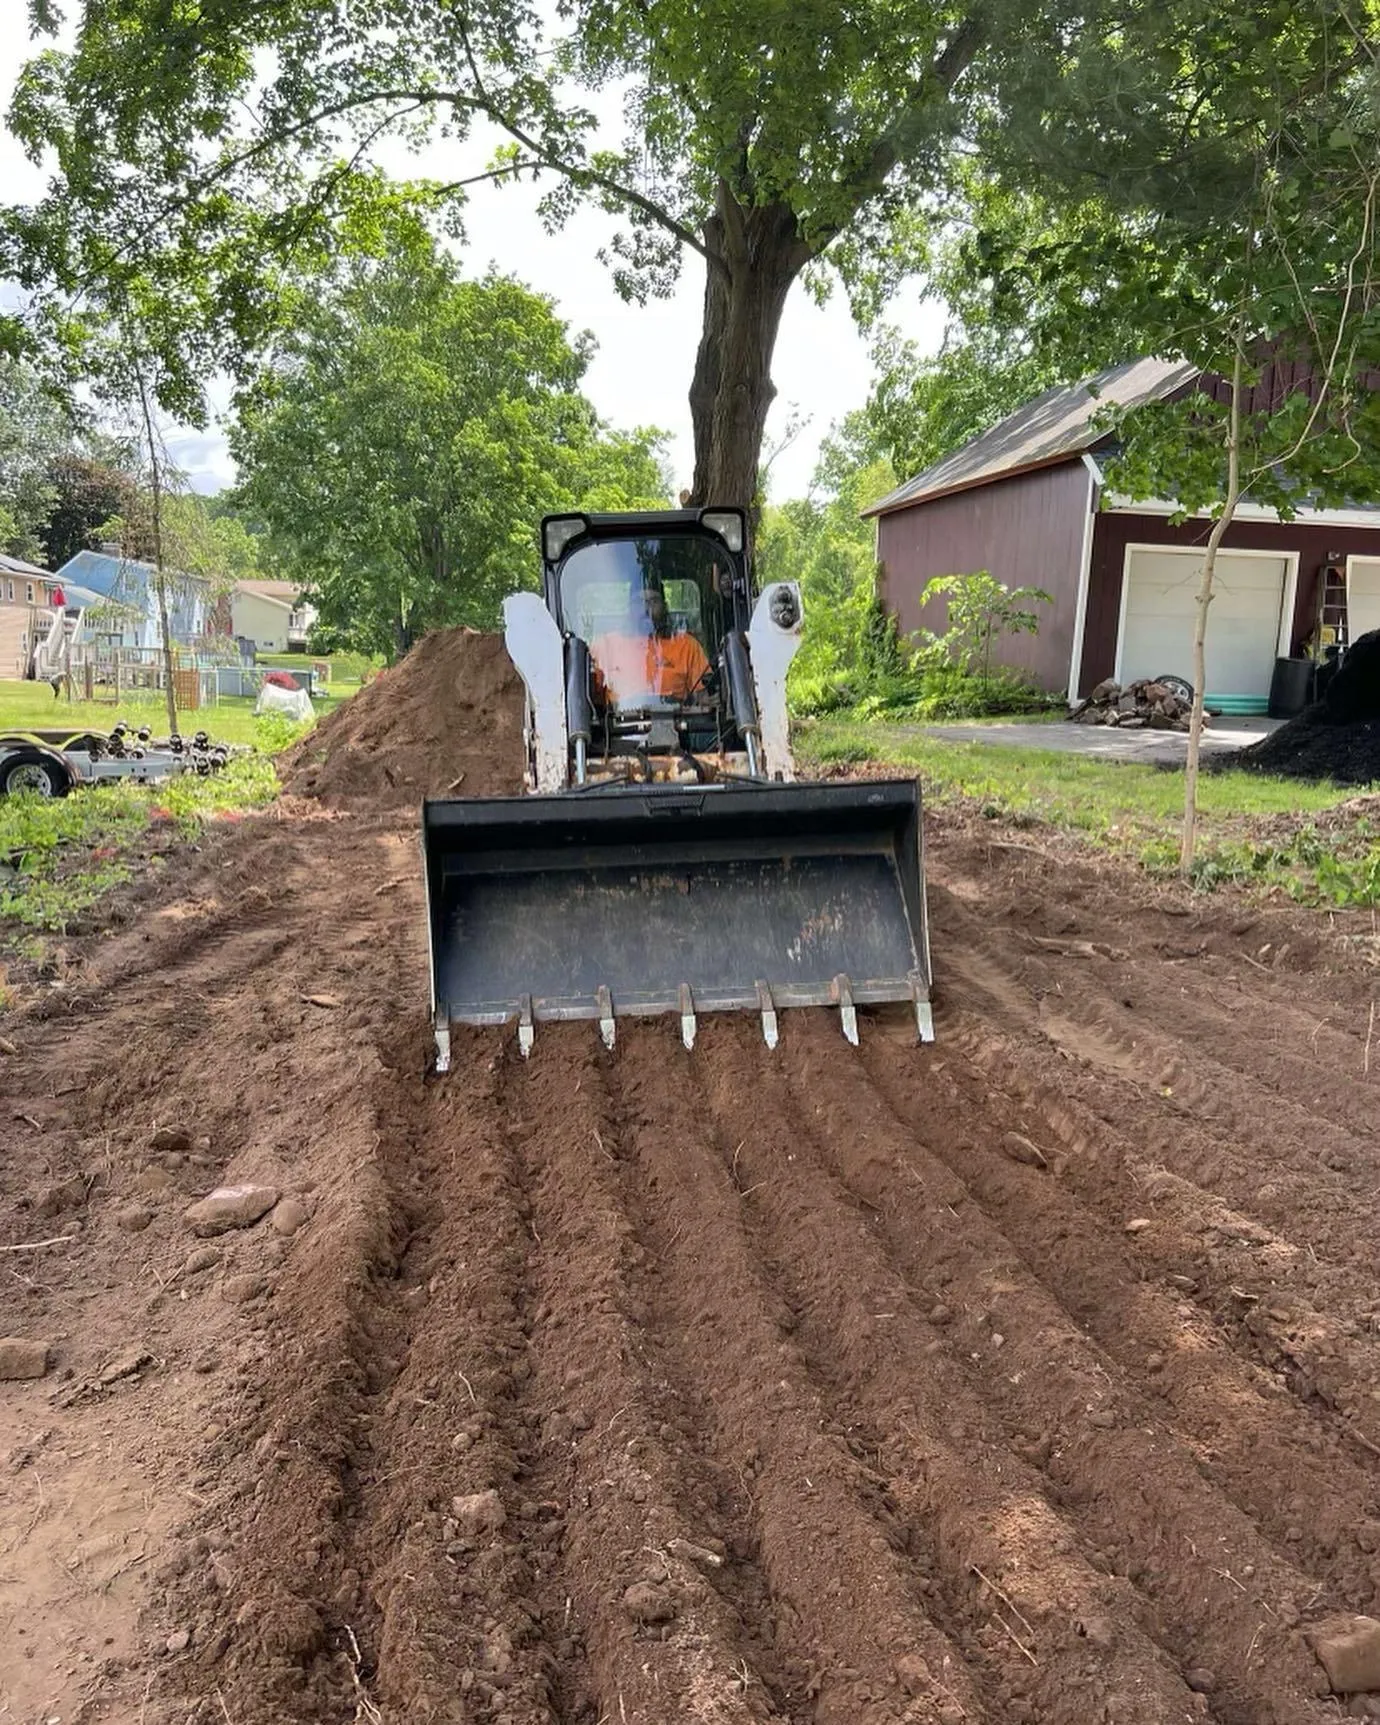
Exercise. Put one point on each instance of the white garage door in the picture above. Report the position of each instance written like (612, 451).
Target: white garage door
(1362, 595)
(1244, 623)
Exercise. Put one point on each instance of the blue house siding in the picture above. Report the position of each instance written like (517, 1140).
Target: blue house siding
(126, 582)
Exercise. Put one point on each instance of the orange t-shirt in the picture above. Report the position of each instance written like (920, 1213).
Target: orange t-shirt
(627, 667)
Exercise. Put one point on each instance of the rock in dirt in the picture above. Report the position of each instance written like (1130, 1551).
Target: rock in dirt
(231, 1207)
(479, 1513)
(65, 1195)
(288, 1217)
(125, 1365)
(239, 1290)
(155, 1181)
(1349, 1648)
(204, 1258)
(699, 1555)
(179, 1641)
(1098, 1632)
(646, 1603)
(170, 1138)
(913, 1674)
(133, 1218)
(22, 1359)
(1020, 1149)
(1200, 1680)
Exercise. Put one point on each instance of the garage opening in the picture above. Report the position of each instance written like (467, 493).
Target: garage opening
(1362, 596)
(1248, 623)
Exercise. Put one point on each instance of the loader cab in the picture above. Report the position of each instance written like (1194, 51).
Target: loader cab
(652, 598)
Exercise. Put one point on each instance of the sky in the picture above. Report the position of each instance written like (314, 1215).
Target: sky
(641, 370)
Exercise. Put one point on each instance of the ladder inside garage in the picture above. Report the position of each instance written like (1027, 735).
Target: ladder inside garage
(1332, 618)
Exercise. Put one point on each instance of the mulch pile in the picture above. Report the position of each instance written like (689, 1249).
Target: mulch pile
(1142, 705)
(446, 720)
(1338, 737)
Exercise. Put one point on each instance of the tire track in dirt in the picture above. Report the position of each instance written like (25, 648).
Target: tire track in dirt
(1299, 1291)
(1130, 1486)
(1303, 1301)
(1261, 1447)
(956, 1522)
(651, 1505)
(453, 1624)
(829, 1546)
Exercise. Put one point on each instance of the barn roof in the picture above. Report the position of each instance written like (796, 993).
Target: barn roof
(1054, 426)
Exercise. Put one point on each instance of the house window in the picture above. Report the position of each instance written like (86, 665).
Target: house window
(11, 593)
(29, 593)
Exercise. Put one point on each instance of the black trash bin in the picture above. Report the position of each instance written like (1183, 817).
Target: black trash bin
(1291, 687)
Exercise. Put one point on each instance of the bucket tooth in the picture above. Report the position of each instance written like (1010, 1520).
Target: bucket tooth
(842, 991)
(687, 1015)
(442, 1040)
(607, 1028)
(924, 1011)
(767, 1007)
(527, 1033)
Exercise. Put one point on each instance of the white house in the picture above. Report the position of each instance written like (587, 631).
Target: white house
(272, 615)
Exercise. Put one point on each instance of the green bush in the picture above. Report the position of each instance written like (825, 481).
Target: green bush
(274, 732)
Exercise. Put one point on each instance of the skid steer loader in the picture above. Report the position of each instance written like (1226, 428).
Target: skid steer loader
(665, 860)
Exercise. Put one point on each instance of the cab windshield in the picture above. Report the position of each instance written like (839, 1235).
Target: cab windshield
(651, 612)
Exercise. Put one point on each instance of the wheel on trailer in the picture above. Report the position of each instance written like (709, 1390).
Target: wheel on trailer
(36, 770)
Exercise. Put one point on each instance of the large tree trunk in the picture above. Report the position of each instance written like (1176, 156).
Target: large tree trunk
(755, 256)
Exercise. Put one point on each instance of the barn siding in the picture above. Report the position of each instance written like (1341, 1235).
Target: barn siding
(1026, 530)
(1114, 530)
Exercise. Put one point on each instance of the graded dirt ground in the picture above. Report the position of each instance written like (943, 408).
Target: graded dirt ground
(1028, 1378)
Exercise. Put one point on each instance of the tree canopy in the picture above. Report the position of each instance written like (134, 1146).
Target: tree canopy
(410, 431)
(35, 429)
(763, 138)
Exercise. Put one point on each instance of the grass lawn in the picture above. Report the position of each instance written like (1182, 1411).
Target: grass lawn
(1276, 833)
(30, 706)
(59, 858)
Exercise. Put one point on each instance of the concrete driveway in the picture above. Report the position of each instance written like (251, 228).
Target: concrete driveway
(1110, 742)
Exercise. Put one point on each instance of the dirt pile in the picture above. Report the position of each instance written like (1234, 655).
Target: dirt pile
(446, 719)
(1337, 738)
(1142, 705)
(1353, 695)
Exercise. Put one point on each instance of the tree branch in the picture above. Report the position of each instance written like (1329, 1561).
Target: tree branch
(1343, 318)
(490, 174)
(582, 176)
(889, 151)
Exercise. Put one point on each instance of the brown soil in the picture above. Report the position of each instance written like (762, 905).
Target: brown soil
(446, 720)
(804, 1389)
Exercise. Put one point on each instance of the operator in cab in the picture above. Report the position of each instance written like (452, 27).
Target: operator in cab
(647, 659)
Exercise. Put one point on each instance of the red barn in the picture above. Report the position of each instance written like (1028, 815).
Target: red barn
(1028, 501)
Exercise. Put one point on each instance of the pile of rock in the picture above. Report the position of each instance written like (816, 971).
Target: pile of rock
(1141, 706)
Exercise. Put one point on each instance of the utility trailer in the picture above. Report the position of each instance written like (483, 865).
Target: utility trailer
(51, 763)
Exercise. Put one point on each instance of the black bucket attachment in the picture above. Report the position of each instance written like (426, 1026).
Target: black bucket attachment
(653, 899)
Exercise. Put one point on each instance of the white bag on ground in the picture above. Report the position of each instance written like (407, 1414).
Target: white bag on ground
(295, 703)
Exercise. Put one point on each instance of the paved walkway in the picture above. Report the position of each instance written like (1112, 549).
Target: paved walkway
(1109, 742)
